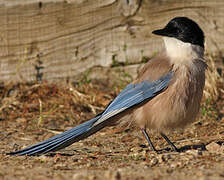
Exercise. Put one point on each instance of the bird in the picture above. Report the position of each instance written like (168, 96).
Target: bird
(165, 95)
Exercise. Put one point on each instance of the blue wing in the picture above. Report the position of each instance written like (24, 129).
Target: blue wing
(132, 95)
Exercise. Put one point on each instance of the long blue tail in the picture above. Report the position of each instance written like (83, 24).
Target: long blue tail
(62, 140)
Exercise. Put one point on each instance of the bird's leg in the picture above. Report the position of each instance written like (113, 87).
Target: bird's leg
(148, 139)
(169, 142)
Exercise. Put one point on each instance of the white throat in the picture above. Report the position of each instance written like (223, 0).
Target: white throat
(180, 52)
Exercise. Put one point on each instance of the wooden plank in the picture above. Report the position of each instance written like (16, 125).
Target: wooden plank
(58, 39)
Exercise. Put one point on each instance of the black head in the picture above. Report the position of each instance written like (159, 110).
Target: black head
(183, 29)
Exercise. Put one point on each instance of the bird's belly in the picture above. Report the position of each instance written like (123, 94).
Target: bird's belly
(174, 108)
(164, 116)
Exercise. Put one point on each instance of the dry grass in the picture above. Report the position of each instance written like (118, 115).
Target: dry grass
(44, 104)
(212, 78)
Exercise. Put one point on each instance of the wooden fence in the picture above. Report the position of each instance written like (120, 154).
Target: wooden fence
(62, 39)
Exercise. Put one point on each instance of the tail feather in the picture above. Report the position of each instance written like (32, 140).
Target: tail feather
(62, 140)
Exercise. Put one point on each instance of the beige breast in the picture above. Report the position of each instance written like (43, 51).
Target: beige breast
(179, 104)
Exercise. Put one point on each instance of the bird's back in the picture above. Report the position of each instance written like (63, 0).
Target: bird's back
(154, 69)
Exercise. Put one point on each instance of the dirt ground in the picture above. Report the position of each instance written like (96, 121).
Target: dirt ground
(33, 112)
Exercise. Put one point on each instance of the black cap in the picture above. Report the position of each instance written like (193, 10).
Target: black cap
(183, 29)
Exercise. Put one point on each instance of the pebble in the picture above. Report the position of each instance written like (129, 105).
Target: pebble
(112, 175)
(79, 176)
(194, 152)
(83, 176)
(153, 162)
(163, 157)
(213, 147)
(136, 149)
(176, 165)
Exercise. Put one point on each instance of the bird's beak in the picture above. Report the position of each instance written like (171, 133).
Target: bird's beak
(161, 32)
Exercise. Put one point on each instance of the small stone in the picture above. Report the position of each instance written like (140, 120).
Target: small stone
(44, 158)
(88, 164)
(60, 166)
(136, 149)
(193, 152)
(213, 147)
(79, 176)
(176, 165)
(163, 158)
(153, 162)
(112, 175)
(144, 164)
